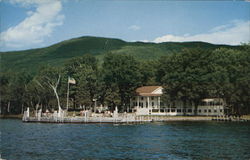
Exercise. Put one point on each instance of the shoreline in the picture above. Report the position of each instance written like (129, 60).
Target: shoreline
(148, 119)
(11, 116)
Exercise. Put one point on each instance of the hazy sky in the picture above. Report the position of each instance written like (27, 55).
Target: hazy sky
(29, 24)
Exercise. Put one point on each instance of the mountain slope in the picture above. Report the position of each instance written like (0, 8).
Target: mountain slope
(31, 60)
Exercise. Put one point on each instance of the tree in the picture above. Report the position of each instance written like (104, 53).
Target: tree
(233, 86)
(5, 94)
(38, 95)
(84, 70)
(148, 70)
(121, 71)
(50, 77)
(86, 86)
(195, 74)
(13, 91)
(71, 66)
(112, 96)
(186, 76)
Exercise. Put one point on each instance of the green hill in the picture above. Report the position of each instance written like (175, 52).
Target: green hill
(57, 54)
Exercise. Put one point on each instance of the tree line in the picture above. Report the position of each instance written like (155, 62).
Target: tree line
(189, 76)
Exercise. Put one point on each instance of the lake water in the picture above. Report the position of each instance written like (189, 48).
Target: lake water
(171, 140)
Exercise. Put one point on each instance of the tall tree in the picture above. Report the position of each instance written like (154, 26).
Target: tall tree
(186, 76)
(121, 71)
(14, 91)
(86, 87)
(50, 77)
(148, 72)
(233, 86)
(84, 70)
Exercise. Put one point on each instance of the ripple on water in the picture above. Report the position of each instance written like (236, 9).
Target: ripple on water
(172, 140)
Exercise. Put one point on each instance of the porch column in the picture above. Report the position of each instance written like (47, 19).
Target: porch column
(137, 101)
(148, 101)
(159, 102)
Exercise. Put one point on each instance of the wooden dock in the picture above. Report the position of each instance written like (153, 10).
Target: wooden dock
(88, 117)
(86, 120)
(119, 119)
(128, 118)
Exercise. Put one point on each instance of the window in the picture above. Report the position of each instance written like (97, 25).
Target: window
(133, 98)
(209, 110)
(221, 110)
(205, 110)
(168, 110)
(152, 98)
(216, 103)
(199, 111)
(178, 110)
(172, 110)
(189, 110)
(152, 103)
(141, 104)
(215, 111)
(146, 104)
(155, 110)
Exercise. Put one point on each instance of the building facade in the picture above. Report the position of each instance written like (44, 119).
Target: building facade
(147, 101)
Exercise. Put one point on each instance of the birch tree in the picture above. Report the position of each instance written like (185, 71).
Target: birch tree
(50, 77)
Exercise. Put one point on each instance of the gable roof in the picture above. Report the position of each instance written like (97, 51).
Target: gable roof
(148, 90)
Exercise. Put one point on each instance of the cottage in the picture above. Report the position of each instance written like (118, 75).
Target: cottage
(147, 101)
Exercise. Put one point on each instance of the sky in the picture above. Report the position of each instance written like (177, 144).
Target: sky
(27, 24)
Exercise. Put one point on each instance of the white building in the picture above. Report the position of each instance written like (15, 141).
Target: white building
(148, 102)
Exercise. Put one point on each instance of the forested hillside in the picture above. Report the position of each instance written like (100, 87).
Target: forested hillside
(58, 54)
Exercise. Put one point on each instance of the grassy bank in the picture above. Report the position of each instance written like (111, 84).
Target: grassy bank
(247, 117)
(15, 116)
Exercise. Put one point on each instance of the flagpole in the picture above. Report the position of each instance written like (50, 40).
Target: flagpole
(68, 95)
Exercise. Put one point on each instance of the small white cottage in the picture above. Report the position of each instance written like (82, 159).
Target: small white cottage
(147, 101)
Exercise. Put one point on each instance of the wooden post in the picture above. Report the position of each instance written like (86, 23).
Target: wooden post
(8, 109)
